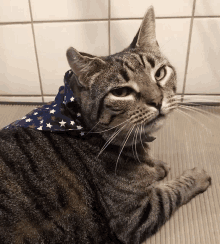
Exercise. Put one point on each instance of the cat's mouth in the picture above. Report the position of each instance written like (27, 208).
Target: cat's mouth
(159, 117)
(155, 123)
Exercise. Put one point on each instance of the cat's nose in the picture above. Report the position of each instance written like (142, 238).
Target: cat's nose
(157, 102)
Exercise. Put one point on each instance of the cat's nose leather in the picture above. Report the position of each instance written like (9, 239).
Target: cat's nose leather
(157, 102)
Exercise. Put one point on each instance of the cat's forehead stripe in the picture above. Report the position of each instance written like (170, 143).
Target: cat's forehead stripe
(124, 74)
(142, 60)
(128, 65)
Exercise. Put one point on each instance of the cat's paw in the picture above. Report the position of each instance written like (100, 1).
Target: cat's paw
(162, 169)
(199, 178)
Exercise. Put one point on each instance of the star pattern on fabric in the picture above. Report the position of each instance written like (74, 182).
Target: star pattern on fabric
(54, 116)
(52, 111)
(28, 120)
(62, 123)
(49, 125)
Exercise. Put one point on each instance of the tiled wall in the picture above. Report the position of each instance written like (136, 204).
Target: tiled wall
(34, 36)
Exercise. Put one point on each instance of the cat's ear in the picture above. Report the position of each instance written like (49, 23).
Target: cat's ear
(146, 35)
(82, 64)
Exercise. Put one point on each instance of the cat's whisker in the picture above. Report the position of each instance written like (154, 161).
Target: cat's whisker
(141, 138)
(201, 124)
(135, 145)
(111, 139)
(93, 127)
(112, 127)
(199, 110)
(193, 104)
(196, 100)
(124, 143)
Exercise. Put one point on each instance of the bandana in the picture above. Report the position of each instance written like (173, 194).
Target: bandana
(63, 114)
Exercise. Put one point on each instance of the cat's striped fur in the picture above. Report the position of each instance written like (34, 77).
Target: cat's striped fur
(60, 188)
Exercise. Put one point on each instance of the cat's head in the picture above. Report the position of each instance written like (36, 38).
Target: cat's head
(132, 90)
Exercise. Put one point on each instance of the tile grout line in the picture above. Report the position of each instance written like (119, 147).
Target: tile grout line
(35, 48)
(105, 19)
(109, 27)
(188, 49)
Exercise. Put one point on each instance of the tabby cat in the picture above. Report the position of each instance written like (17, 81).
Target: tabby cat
(61, 187)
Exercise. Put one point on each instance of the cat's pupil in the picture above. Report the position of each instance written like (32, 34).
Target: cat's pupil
(158, 73)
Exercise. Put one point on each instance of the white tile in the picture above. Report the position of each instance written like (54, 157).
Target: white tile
(53, 39)
(21, 99)
(172, 36)
(48, 99)
(18, 67)
(207, 8)
(137, 8)
(69, 9)
(203, 75)
(122, 33)
(14, 11)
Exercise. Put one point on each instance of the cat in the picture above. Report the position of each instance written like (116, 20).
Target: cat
(64, 187)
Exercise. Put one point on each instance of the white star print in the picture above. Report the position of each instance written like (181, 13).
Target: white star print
(79, 114)
(24, 117)
(49, 125)
(72, 122)
(28, 120)
(64, 102)
(47, 108)
(40, 128)
(54, 105)
(35, 113)
(42, 121)
(52, 111)
(72, 99)
(62, 123)
(79, 127)
(82, 133)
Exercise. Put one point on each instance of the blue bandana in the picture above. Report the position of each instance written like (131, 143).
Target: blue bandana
(63, 114)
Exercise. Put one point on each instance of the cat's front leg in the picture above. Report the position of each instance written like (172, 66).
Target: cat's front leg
(164, 199)
(161, 169)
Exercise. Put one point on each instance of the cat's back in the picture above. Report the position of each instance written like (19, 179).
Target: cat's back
(47, 193)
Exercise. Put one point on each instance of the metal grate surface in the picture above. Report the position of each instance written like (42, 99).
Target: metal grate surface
(190, 138)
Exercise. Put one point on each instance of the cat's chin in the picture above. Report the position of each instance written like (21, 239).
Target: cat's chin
(149, 128)
(155, 124)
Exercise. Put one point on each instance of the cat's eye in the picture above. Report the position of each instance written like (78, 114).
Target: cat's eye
(161, 73)
(122, 92)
